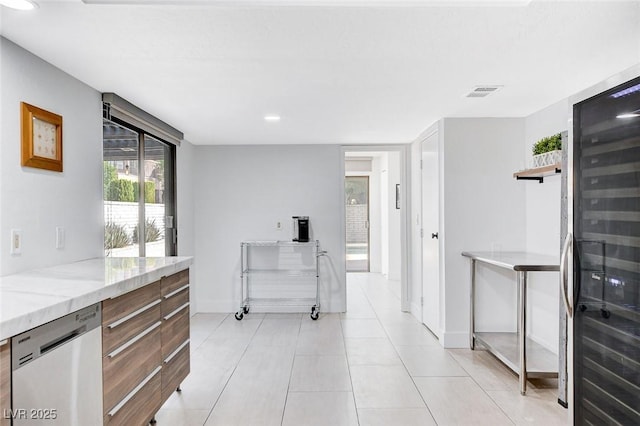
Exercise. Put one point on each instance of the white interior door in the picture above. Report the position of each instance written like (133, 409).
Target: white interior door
(430, 244)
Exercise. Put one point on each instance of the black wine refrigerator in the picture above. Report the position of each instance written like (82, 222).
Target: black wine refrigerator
(605, 295)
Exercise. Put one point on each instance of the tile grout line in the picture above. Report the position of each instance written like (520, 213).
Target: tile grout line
(234, 370)
(353, 389)
(293, 361)
(398, 354)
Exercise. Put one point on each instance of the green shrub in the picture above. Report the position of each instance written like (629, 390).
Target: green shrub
(151, 232)
(109, 174)
(550, 143)
(115, 236)
(121, 190)
(149, 192)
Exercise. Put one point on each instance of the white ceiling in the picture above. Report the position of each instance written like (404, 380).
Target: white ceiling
(348, 73)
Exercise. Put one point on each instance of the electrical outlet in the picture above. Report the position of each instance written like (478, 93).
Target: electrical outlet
(16, 241)
(279, 225)
(59, 237)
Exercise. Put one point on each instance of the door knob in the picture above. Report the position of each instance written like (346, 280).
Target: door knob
(434, 236)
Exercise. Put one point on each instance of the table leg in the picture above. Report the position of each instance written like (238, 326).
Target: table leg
(471, 305)
(522, 329)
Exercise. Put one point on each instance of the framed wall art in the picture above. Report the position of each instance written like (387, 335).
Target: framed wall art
(41, 138)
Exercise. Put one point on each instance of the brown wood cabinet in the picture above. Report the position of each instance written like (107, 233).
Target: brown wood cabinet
(5, 382)
(145, 336)
(175, 331)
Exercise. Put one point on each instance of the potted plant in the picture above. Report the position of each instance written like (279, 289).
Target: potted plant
(547, 151)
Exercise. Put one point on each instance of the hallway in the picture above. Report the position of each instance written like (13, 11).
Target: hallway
(373, 365)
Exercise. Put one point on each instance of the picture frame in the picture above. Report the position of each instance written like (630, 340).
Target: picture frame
(397, 196)
(41, 133)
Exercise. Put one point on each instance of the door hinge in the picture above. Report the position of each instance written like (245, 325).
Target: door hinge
(420, 163)
(422, 301)
(421, 232)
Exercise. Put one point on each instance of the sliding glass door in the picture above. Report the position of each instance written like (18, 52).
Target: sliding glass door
(139, 193)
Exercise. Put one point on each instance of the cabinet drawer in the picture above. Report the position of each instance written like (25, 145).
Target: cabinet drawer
(129, 364)
(119, 332)
(175, 331)
(170, 304)
(121, 306)
(141, 405)
(5, 381)
(175, 281)
(174, 369)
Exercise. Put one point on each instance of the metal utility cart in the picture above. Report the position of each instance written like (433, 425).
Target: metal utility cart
(280, 273)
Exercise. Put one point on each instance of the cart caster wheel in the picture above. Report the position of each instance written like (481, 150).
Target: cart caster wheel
(245, 309)
(314, 315)
(152, 421)
(605, 313)
(239, 315)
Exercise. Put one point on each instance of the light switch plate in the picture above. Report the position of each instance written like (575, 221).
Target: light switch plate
(16, 242)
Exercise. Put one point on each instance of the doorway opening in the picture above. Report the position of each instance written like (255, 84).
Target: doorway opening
(374, 216)
(356, 190)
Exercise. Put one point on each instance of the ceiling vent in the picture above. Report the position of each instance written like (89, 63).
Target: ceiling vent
(482, 91)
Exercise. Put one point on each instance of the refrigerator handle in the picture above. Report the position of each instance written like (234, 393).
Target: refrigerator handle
(564, 273)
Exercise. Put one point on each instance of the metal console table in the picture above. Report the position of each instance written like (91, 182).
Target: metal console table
(290, 274)
(521, 354)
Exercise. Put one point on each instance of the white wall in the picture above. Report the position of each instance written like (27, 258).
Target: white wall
(414, 226)
(243, 191)
(484, 206)
(543, 228)
(185, 214)
(375, 218)
(384, 214)
(394, 218)
(37, 201)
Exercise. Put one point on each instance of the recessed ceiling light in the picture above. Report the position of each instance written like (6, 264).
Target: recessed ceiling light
(271, 118)
(19, 4)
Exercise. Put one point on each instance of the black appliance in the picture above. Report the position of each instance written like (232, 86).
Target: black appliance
(606, 259)
(301, 229)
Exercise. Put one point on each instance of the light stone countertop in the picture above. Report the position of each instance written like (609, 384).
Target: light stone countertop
(32, 298)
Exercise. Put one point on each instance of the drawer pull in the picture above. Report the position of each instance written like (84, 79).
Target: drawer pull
(174, 292)
(133, 314)
(176, 311)
(134, 340)
(174, 353)
(131, 394)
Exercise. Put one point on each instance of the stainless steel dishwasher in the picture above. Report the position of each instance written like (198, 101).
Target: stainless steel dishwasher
(57, 371)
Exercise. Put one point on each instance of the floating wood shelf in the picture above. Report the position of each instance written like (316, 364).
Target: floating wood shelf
(538, 173)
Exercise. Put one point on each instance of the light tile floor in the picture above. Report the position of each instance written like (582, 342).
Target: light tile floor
(373, 365)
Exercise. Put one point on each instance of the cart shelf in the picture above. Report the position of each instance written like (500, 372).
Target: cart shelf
(280, 273)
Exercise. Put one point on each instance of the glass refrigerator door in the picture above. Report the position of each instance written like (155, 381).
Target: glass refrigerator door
(607, 257)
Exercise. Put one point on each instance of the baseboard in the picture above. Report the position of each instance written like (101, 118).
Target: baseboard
(455, 340)
(545, 344)
(416, 311)
(216, 306)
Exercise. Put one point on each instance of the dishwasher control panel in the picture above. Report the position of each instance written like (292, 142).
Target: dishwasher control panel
(37, 342)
